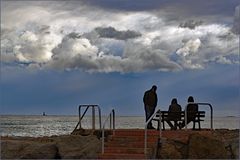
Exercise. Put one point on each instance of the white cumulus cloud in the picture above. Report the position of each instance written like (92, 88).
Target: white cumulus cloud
(190, 47)
(106, 41)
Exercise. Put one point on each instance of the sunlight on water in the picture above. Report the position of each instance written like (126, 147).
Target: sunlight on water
(35, 126)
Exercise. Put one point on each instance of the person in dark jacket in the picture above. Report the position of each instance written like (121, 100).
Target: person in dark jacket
(150, 102)
(192, 109)
(174, 114)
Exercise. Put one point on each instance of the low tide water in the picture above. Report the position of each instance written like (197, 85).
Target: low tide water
(36, 126)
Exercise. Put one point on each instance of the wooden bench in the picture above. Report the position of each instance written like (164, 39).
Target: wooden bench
(180, 116)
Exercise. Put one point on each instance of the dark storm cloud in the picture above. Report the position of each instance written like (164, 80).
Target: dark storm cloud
(73, 35)
(190, 24)
(110, 32)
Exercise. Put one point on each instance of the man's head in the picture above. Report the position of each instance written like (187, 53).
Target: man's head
(154, 88)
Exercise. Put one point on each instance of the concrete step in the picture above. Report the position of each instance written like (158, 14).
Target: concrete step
(126, 150)
(121, 156)
(136, 132)
(129, 144)
(133, 144)
(133, 139)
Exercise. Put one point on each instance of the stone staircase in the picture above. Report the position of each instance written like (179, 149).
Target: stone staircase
(129, 144)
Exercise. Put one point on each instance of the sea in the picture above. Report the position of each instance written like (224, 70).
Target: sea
(38, 126)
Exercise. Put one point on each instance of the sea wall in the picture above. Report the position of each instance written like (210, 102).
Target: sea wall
(217, 144)
(55, 147)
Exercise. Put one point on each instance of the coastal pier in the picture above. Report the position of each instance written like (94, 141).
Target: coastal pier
(156, 144)
(130, 143)
(103, 141)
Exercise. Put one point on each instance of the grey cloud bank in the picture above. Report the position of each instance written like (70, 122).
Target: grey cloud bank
(112, 41)
(190, 24)
(111, 32)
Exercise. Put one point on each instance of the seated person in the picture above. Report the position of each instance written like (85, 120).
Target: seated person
(174, 114)
(192, 109)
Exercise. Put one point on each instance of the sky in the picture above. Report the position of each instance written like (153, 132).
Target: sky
(56, 55)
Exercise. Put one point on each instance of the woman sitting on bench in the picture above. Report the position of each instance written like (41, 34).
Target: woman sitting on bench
(192, 109)
(174, 114)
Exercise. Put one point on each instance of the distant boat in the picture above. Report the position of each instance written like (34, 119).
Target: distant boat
(44, 114)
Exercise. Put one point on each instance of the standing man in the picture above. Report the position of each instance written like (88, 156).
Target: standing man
(150, 103)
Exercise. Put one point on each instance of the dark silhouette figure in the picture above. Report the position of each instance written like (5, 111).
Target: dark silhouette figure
(192, 109)
(150, 102)
(174, 114)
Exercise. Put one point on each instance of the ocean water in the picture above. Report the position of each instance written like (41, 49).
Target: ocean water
(35, 126)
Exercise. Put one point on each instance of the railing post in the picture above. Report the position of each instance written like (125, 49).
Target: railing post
(103, 140)
(113, 112)
(185, 117)
(79, 114)
(145, 140)
(211, 116)
(111, 121)
(160, 124)
(100, 119)
(93, 117)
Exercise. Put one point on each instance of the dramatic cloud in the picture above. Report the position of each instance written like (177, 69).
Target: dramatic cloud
(191, 24)
(77, 38)
(191, 46)
(75, 52)
(187, 54)
(111, 32)
(29, 45)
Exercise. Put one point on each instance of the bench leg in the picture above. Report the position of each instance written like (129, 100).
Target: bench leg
(158, 125)
(163, 125)
(199, 125)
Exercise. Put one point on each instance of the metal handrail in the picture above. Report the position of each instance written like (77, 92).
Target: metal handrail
(200, 103)
(112, 124)
(93, 115)
(160, 128)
